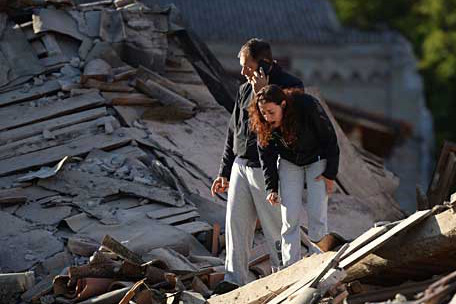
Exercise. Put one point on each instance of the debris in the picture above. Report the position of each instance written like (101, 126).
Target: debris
(13, 284)
(166, 97)
(56, 21)
(443, 179)
(97, 69)
(131, 216)
(44, 172)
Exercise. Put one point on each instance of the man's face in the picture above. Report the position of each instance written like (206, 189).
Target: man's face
(248, 65)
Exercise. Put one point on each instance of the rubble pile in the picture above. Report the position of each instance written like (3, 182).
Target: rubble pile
(408, 261)
(112, 123)
(80, 169)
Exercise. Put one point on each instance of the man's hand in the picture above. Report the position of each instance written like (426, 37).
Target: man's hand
(259, 80)
(328, 182)
(273, 198)
(219, 185)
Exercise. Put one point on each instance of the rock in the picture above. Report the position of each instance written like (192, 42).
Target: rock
(97, 69)
(48, 134)
(139, 24)
(26, 87)
(37, 81)
(69, 71)
(48, 299)
(75, 62)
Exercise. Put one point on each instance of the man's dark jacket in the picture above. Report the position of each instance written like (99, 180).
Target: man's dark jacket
(240, 141)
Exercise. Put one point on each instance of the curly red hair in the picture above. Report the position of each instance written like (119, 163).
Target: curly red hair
(257, 123)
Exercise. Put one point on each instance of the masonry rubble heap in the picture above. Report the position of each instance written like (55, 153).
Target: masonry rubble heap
(104, 191)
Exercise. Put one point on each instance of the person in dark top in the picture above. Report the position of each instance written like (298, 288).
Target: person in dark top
(240, 170)
(292, 127)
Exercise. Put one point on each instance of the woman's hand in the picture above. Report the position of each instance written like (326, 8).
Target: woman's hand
(328, 182)
(273, 198)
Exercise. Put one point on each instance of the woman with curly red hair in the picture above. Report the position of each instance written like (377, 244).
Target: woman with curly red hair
(297, 144)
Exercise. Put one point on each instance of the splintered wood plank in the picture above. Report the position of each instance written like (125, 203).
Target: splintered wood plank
(363, 239)
(264, 289)
(167, 212)
(58, 137)
(87, 184)
(194, 227)
(145, 73)
(77, 147)
(23, 114)
(51, 124)
(312, 282)
(15, 96)
(443, 177)
(378, 242)
(179, 218)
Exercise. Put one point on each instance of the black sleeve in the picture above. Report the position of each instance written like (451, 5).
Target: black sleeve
(228, 154)
(327, 137)
(268, 158)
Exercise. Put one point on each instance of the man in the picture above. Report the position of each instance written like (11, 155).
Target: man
(240, 170)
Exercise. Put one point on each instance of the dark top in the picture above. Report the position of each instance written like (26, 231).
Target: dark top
(240, 141)
(316, 139)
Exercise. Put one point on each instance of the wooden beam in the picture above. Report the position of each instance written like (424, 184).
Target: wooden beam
(312, 282)
(121, 250)
(443, 177)
(166, 96)
(145, 74)
(51, 124)
(263, 290)
(364, 239)
(429, 247)
(59, 137)
(15, 96)
(54, 154)
(408, 289)
(118, 86)
(372, 246)
(22, 114)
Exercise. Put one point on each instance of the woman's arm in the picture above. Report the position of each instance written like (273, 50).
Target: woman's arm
(268, 158)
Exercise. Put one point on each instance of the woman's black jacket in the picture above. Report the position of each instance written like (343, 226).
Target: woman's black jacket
(316, 139)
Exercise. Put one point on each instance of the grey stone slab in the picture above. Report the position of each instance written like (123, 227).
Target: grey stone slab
(22, 245)
(93, 23)
(57, 21)
(18, 54)
(47, 216)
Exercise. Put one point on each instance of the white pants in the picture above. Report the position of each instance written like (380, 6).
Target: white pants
(246, 203)
(292, 179)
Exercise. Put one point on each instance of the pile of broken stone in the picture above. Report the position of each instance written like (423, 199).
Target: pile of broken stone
(99, 203)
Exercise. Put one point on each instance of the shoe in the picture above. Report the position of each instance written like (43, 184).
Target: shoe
(330, 241)
(224, 287)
